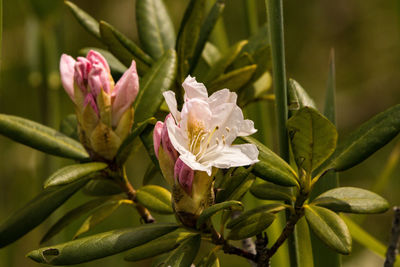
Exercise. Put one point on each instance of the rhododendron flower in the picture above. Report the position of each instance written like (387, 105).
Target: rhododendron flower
(204, 130)
(193, 143)
(103, 110)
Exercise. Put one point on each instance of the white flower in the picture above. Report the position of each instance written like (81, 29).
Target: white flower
(204, 130)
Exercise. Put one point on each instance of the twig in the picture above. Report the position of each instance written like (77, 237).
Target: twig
(394, 239)
(119, 176)
(229, 249)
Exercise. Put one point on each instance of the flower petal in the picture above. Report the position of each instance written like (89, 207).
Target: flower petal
(96, 58)
(170, 99)
(67, 70)
(220, 97)
(157, 136)
(190, 160)
(125, 92)
(177, 137)
(196, 115)
(232, 156)
(185, 175)
(193, 89)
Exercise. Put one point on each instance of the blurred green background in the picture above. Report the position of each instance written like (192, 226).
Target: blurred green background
(364, 34)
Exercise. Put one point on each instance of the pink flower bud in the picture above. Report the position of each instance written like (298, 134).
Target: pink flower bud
(166, 142)
(184, 175)
(67, 64)
(124, 93)
(98, 78)
(157, 136)
(82, 69)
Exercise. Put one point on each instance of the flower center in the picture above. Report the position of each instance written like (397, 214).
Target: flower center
(200, 139)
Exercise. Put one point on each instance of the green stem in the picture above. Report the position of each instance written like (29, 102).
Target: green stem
(276, 30)
(251, 16)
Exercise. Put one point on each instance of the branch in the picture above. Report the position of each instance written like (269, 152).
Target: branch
(394, 240)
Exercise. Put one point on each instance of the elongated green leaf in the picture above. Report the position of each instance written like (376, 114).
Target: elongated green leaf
(70, 216)
(155, 28)
(210, 261)
(88, 22)
(127, 146)
(367, 139)
(352, 200)
(252, 225)
(69, 126)
(136, 51)
(99, 245)
(227, 58)
(270, 191)
(147, 139)
(235, 185)
(330, 228)
(115, 64)
(108, 37)
(41, 137)
(188, 35)
(158, 80)
(159, 246)
(74, 172)
(99, 214)
(313, 138)
(270, 208)
(298, 97)
(233, 80)
(101, 187)
(271, 167)
(205, 31)
(185, 254)
(210, 211)
(155, 198)
(367, 240)
(303, 243)
(35, 212)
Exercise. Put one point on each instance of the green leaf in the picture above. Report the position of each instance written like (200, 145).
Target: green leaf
(303, 242)
(205, 31)
(88, 22)
(210, 211)
(137, 52)
(35, 212)
(101, 187)
(367, 240)
(147, 140)
(99, 245)
(99, 214)
(74, 172)
(367, 139)
(227, 58)
(127, 145)
(233, 80)
(109, 38)
(298, 97)
(270, 208)
(69, 126)
(159, 246)
(71, 216)
(252, 225)
(329, 227)
(185, 254)
(155, 28)
(235, 185)
(156, 81)
(352, 200)
(271, 167)
(155, 198)
(41, 137)
(210, 261)
(114, 63)
(270, 191)
(188, 35)
(313, 138)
